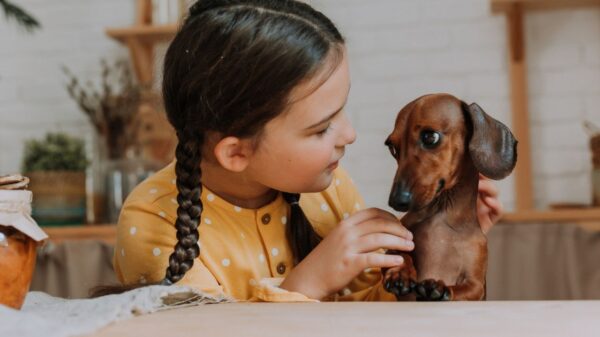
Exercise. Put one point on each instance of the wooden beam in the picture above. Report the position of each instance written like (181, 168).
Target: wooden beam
(142, 55)
(527, 5)
(143, 12)
(519, 106)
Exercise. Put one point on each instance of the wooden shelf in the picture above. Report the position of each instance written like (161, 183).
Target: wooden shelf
(574, 215)
(507, 5)
(105, 233)
(140, 39)
(143, 33)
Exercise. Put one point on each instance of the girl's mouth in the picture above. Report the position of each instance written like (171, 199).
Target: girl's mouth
(333, 166)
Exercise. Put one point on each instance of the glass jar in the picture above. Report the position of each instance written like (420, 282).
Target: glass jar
(19, 238)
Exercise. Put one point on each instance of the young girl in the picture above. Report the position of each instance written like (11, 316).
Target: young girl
(255, 204)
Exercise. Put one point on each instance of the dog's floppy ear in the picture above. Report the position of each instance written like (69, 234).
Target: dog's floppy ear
(492, 146)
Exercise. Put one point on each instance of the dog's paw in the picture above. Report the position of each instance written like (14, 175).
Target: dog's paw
(432, 290)
(398, 283)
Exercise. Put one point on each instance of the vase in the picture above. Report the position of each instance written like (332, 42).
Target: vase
(121, 177)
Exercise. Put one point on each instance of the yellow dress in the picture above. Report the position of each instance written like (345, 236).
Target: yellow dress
(244, 253)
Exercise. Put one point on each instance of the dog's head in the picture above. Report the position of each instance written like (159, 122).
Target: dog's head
(433, 136)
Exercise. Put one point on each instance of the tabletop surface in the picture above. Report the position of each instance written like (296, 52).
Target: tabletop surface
(522, 318)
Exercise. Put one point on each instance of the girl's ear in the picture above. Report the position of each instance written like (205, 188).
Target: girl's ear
(233, 153)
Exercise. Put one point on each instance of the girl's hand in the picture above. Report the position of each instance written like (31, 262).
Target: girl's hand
(348, 250)
(489, 208)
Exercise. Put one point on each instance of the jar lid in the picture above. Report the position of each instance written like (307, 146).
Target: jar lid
(15, 211)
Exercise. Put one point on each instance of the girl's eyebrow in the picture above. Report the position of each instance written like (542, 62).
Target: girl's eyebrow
(326, 118)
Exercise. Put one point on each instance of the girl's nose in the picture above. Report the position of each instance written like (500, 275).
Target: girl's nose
(348, 134)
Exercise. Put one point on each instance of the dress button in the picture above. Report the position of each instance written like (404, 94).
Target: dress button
(266, 218)
(281, 268)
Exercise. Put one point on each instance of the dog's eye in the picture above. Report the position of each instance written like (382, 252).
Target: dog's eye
(393, 151)
(430, 139)
(392, 148)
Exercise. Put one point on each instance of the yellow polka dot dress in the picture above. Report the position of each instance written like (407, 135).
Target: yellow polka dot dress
(244, 253)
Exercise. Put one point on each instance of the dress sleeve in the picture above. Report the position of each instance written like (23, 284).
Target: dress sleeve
(145, 240)
(267, 290)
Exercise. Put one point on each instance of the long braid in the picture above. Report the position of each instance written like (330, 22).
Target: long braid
(300, 233)
(187, 169)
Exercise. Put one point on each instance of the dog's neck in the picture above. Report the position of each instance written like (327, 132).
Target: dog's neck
(458, 205)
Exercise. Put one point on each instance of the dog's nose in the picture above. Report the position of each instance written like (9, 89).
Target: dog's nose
(400, 199)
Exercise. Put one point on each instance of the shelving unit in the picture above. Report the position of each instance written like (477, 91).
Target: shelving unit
(515, 11)
(157, 135)
(141, 38)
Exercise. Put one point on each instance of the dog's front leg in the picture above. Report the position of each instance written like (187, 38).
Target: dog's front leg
(400, 280)
(471, 290)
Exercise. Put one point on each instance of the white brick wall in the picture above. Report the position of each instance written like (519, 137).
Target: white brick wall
(398, 50)
(402, 49)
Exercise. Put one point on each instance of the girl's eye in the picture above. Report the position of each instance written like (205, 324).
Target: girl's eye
(430, 139)
(324, 131)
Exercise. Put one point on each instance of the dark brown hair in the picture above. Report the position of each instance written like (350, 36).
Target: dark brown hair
(230, 69)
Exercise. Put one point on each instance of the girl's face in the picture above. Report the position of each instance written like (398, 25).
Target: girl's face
(300, 148)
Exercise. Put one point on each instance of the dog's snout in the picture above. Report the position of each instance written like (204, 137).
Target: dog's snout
(400, 198)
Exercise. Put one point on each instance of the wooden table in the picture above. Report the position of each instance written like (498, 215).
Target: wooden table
(547, 318)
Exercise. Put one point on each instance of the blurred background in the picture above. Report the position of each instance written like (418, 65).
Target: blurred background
(84, 82)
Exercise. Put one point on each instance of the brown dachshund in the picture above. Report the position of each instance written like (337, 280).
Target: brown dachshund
(441, 145)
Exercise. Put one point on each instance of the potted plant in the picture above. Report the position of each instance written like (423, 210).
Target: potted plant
(56, 167)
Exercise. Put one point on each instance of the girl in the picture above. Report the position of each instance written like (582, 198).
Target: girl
(256, 91)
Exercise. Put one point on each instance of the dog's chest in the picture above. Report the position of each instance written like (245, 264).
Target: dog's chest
(442, 252)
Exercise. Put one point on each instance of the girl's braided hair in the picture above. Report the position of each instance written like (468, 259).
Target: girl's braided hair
(230, 69)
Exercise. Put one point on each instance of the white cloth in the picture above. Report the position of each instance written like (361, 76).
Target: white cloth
(15, 211)
(44, 315)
